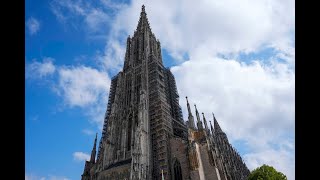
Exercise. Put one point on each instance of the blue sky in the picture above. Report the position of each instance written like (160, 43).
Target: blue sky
(235, 62)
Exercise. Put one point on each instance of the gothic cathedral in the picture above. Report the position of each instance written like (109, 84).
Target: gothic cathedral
(144, 135)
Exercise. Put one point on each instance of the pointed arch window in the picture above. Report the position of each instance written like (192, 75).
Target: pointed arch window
(177, 170)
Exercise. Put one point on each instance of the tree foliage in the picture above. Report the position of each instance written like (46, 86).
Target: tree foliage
(266, 172)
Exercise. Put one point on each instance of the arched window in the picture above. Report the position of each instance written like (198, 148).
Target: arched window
(177, 170)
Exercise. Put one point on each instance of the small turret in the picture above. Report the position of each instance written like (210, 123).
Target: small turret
(93, 152)
(190, 116)
(205, 123)
(212, 131)
(199, 123)
(217, 127)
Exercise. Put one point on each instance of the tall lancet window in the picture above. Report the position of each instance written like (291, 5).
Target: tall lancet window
(177, 170)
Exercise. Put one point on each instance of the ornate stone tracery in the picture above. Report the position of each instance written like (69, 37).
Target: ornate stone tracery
(144, 135)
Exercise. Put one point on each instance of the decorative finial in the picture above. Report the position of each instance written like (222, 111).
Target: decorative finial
(143, 8)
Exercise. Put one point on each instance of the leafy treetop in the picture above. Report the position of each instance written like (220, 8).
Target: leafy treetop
(266, 172)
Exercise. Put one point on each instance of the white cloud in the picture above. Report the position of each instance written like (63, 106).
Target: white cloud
(33, 177)
(96, 19)
(281, 160)
(109, 4)
(40, 69)
(112, 59)
(49, 177)
(84, 87)
(81, 156)
(79, 86)
(93, 19)
(218, 26)
(255, 95)
(87, 131)
(33, 25)
(253, 103)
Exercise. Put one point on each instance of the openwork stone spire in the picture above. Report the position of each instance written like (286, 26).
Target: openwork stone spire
(205, 122)
(143, 21)
(212, 131)
(199, 123)
(93, 152)
(188, 105)
(190, 116)
(217, 127)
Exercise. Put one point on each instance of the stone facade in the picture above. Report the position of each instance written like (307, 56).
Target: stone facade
(144, 135)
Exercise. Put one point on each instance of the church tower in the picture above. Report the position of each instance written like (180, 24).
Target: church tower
(144, 135)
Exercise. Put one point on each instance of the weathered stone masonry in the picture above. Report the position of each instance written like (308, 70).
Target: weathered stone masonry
(144, 135)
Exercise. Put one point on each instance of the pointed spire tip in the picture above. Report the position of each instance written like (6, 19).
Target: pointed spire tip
(143, 8)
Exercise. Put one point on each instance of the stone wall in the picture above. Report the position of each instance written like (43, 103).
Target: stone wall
(179, 151)
(209, 170)
(119, 172)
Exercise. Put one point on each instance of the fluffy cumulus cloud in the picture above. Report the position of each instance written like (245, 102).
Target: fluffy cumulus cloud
(81, 156)
(33, 25)
(84, 87)
(78, 86)
(253, 103)
(281, 160)
(94, 19)
(42, 69)
(227, 27)
(252, 100)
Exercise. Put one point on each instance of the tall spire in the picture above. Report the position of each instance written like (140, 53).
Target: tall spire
(205, 122)
(199, 123)
(143, 9)
(143, 21)
(93, 152)
(216, 124)
(190, 116)
(188, 105)
(212, 131)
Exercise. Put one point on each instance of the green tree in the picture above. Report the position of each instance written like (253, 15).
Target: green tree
(266, 172)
